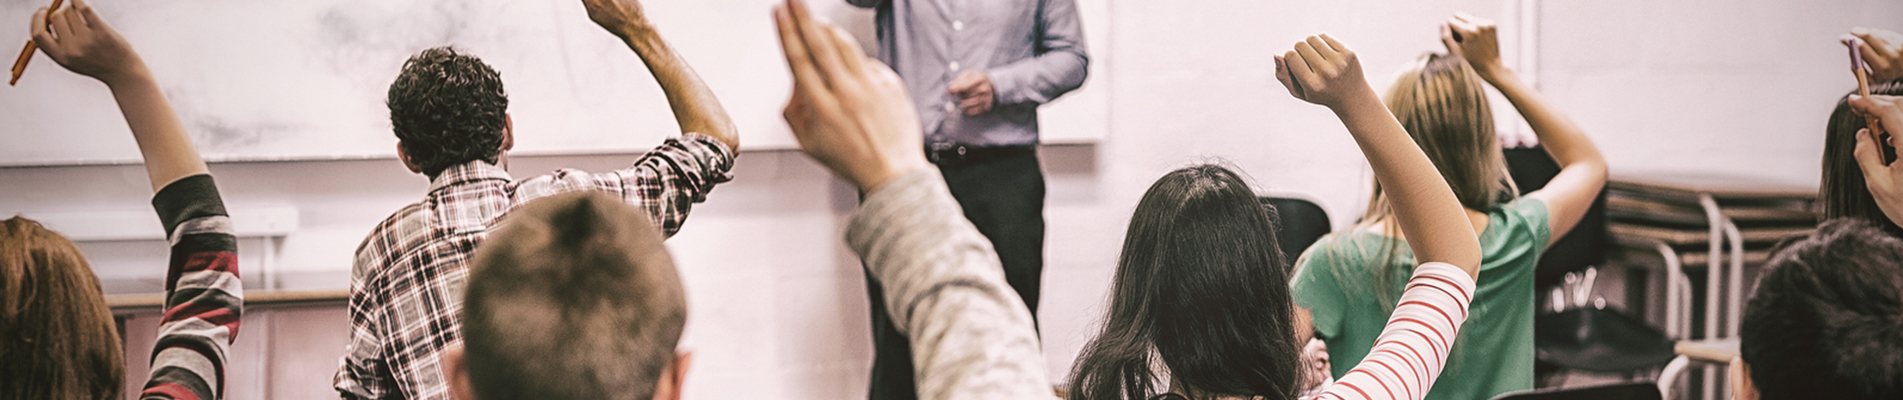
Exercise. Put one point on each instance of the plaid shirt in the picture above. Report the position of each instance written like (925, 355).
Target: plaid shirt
(406, 287)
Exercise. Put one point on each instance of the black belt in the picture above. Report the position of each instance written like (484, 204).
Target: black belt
(953, 153)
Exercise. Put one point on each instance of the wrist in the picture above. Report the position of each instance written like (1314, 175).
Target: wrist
(1493, 72)
(132, 75)
(873, 180)
(1356, 100)
(634, 30)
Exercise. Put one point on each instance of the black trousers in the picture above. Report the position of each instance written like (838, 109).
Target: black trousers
(1002, 193)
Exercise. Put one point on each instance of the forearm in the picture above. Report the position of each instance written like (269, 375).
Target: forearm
(1061, 63)
(971, 336)
(1426, 209)
(1565, 141)
(168, 151)
(693, 103)
(1040, 79)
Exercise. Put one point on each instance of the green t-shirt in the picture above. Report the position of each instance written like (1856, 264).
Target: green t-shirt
(1494, 352)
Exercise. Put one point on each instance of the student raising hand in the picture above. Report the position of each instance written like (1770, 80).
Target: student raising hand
(78, 39)
(1885, 181)
(849, 112)
(1324, 71)
(1421, 328)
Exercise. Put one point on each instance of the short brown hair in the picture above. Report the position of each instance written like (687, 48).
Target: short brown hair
(572, 297)
(1826, 319)
(57, 338)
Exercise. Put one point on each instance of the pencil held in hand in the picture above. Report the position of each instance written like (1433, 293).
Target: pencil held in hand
(1858, 66)
(19, 65)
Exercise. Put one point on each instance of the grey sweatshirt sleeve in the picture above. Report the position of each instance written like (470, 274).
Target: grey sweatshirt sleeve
(971, 335)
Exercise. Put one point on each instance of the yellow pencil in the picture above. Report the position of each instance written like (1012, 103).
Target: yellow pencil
(19, 66)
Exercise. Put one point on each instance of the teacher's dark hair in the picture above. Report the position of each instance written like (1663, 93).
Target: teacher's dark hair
(1841, 193)
(1202, 288)
(448, 108)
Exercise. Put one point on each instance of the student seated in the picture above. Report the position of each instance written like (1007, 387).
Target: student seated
(56, 334)
(572, 297)
(1350, 280)
(575, 298)
(1200, 307)
(1826, 320)
(449, 111)
(1855, 184)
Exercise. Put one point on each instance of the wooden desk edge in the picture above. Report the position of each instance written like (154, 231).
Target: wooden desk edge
(252, 298)
(1721, 351)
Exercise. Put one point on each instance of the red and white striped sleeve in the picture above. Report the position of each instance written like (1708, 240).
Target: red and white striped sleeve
(1412, 349)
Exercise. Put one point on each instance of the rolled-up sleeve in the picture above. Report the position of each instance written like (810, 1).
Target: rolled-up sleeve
(865, 3)
(1060, 65)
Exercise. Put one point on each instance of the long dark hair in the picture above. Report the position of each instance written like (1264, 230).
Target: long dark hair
(1201, 287)
(1841, 193)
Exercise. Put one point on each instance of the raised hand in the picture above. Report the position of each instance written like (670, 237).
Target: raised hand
(847, 111)
(1883, 51)
(83, 43)
(1323, 71)
(1881, 179)
(616, 16)
(1475, 39)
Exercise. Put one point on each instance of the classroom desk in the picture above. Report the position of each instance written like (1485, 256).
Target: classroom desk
(1711, 351)
(120, 303)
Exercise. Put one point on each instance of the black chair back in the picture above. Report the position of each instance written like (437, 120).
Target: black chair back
(1298, 224)
(1623, 391)
(1531, 168)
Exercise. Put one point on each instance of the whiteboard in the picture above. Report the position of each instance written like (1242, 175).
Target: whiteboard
(305, 80)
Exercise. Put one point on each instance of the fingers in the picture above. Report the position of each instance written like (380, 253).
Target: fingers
(975, 105)
(853, 56)
(819, 43)
(809, 86)
(41, 36)
(61, 27)
(805, 74)
(83, 14)
(1311, 59)
(1335, 44)
(1447, 39)
(961, 84)
(1322, 48)
(1300, 73)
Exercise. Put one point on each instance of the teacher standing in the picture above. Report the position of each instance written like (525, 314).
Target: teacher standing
(977, 71)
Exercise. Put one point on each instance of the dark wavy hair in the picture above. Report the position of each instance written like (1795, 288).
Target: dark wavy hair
(1841, 193)
(1826, 321)
(448, 108)
(1201, 287)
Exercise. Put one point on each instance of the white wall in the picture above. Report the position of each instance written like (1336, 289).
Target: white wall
(778, 309)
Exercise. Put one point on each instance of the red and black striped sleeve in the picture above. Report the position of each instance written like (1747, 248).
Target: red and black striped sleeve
(203, 295)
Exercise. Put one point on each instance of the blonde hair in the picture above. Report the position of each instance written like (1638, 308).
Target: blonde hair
(1442, 102)
(57, 337)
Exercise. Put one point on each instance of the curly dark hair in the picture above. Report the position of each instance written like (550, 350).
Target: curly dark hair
(448, 108)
